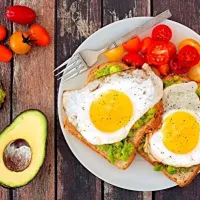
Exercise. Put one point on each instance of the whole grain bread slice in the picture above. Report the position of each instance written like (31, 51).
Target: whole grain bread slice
(135, 139)
(181, 178)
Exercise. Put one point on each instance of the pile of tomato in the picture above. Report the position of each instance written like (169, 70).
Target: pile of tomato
(159, 52)
(21, 42)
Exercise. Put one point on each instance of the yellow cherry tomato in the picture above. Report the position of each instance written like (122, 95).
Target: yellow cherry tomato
(19, 42)
(114, 54)
(190, 42)
(194, 73)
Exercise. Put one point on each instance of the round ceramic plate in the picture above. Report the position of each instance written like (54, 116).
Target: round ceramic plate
(140, 176)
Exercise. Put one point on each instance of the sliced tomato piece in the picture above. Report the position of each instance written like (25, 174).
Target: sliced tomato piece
(132, 45)
(145, 44)
(190, 42)
(176, 67)
(188, 56)
(162, 32)
(147, 60)
(133, 59)
(163, 69)
(158, 53)
(171, 48)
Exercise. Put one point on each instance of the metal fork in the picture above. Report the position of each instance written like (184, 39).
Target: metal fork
(85, 59)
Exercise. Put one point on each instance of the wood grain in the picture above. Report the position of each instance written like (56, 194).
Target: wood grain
(5, 79)
(115, 10)
(76, 20)
(187, 13)
(34, 88)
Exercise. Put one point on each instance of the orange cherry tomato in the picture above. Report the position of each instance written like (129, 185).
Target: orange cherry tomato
(190, 42)
(2, 33)
(39, 34)
(156, 71)
(194, 73)
(19, 42)
(163, 69)
(145, 44)
(5, 54)
(114, 54)
(171, 48)
(133, 45)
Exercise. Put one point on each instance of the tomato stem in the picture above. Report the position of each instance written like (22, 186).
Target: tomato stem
(27, 40)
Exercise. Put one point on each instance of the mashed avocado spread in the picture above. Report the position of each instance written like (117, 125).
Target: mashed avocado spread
(2, 96)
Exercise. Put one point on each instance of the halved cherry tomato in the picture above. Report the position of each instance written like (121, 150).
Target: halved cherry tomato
(2, 33)
(132, 45)
(5, 54)
(162, 32)
(155, 70)
(188, 56)
(194, 73)
(20, 14)
(145, 44)
(176, 67)
(114, 54)
(163, 69)
(147, 60)
(19, 42)
(133, 59)
(190, 42)
(171, 48)
(158, 53)
(39, 34)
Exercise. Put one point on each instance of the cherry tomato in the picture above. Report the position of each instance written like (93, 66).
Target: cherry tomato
(171, 48)
(5, 54)
(19, 42)
(147, 59)
(176, 67)
(114, 54)
(155, 70)
(163, 69)
(162, 32)
(2, 33)
(188, 56)
(39, 34)
(132, 45)
(190, 42)
(133, 59)
(158, 53)
(194, 73)
(145, 44)
(20, 14)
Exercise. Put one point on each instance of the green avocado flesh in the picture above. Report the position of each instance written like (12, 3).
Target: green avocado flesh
(31, 127)
(2, 96)
(123, 149)
(109, 69)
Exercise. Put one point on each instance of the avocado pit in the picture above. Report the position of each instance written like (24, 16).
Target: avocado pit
(17, 155)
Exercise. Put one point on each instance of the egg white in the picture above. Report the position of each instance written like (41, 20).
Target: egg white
(142, 86)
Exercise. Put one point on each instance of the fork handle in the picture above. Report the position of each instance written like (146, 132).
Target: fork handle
(140, 29)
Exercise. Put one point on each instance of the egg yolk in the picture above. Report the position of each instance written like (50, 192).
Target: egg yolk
(111, 111)
(180, 132)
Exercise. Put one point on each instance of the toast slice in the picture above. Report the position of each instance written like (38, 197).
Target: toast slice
(133, 140)
(182, 177)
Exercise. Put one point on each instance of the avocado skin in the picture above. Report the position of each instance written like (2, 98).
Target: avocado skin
(43, 158)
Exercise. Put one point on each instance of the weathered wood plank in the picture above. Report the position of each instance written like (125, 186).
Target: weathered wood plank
(113, 11)
(34, 88)
(5, 79)
(187, 13)
(76, 20)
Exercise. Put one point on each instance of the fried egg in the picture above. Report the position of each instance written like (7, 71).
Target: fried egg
(104, 110)
(177, 143)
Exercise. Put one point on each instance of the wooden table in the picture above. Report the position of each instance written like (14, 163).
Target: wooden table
(28, 84)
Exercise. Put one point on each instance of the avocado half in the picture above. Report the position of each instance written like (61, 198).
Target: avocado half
(30, 126)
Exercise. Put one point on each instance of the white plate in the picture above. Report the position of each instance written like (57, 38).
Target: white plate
(140, 176)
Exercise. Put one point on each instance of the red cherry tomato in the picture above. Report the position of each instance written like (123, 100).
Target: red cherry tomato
(163, 69)
(162, 32)
(132, 45)
(20, 14)
(176, 67)
(39, 34)
(2, 33)
(133, 59)
(145, 44)
(171, 48)
(158, 53)
(147, 59)
(5, 54)
(188, 56)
